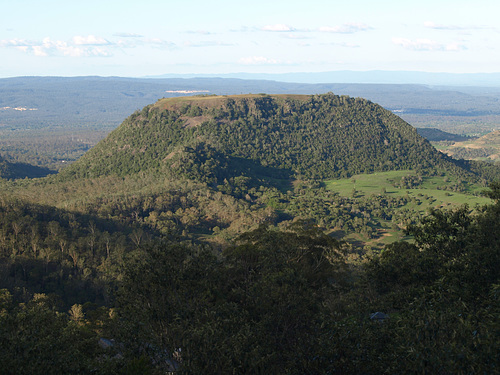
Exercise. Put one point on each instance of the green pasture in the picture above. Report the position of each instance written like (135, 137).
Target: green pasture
(430, 193)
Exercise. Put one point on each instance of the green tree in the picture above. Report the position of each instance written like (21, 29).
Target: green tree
(36, 339)
(257, 309)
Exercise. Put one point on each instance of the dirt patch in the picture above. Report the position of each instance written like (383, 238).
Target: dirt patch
(192, 122)
(170, 156)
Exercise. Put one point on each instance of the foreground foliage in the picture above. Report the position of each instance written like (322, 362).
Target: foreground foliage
(281, 302)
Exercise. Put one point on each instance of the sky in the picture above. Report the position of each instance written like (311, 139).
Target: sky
(149, 37)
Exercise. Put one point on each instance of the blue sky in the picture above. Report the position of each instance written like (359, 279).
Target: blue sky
(147, 37)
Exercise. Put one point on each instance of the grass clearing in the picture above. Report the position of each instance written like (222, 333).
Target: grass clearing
(421, 196)
(430, 192)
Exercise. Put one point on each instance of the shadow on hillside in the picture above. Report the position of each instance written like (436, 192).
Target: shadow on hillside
(338, 234)
(262, 175)
(16, 171)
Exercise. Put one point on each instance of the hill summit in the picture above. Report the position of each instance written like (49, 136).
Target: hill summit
(305, 136)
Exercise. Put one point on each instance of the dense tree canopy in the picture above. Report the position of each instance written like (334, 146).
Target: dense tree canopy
(281, 302)
(319, 136)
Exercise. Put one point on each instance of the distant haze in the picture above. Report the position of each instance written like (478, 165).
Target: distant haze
(379, 77)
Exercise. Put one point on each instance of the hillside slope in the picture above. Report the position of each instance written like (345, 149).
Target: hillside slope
(319, 136)
(486, 147)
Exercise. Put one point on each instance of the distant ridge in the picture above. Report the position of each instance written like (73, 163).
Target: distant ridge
(486, 147)
(372, 77)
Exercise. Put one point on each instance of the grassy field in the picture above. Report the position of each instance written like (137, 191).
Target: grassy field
(429, 194)
(381, 183)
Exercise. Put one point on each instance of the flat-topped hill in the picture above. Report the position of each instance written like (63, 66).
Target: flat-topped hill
(311, 136)
(212, 101)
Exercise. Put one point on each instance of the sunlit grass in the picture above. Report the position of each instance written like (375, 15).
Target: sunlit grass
(380, 183)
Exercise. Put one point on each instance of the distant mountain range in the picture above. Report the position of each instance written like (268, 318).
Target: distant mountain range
(366, 77)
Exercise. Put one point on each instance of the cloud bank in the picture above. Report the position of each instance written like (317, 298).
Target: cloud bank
(78, 47)
(83, 46)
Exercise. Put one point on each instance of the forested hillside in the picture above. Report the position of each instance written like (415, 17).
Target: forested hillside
(274, 301)
(319, 136)
(216, 166)
(238, 234)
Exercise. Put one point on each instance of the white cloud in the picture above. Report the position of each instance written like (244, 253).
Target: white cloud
(99, 52)
(278, 28)
(89, 40)
(72, 51)
(16, 43)
(258, 60)
(39, 51)
(346, 28)
(427, 45)
(95, 46)
(48, 47)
